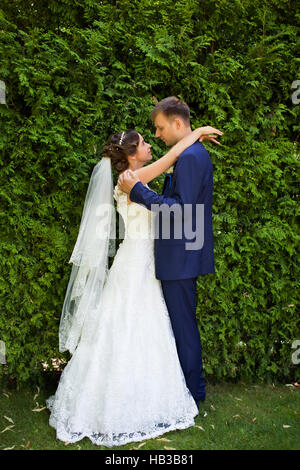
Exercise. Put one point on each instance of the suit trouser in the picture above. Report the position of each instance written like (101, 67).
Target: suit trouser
(181, 299)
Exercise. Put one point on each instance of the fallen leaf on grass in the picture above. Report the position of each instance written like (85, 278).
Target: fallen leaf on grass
(138, 448)
(8, 419)
(37, 407)
(238, 398)
(5, 394)
(199, 427)
(212, 425)
(212, 407)
(163, 439)
(9, 448)
(169, 448)
(205, 414)
(286, 426)
(253, 420)
(37, 394)
(8, 428)
(27, 445)
(236, 416)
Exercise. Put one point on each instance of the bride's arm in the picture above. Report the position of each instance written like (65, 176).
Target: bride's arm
(149, 172)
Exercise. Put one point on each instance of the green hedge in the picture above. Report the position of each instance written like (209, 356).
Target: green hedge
(75, 73)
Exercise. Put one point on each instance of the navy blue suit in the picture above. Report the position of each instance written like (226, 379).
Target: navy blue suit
(189, 187)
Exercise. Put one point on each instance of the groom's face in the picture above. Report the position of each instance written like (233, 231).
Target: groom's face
(167, 129)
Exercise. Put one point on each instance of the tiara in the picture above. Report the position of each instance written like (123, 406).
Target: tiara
(122, 137)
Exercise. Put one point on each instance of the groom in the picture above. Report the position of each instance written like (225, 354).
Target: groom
(179, 261)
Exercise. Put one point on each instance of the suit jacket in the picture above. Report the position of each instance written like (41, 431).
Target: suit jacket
(189, 191)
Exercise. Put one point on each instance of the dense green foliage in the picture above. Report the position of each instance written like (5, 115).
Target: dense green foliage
(78, 71)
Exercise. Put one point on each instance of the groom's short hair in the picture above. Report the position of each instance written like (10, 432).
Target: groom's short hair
(172, 107)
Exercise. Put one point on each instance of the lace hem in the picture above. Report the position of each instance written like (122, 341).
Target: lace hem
(64, 434)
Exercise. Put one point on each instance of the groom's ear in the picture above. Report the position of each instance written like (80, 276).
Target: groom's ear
(178, 123)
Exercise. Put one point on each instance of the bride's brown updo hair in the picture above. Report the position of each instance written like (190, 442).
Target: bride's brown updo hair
(119, 147)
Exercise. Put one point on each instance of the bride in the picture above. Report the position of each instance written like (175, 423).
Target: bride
(124, 382)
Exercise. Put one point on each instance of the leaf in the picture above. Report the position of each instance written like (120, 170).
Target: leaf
(163, 439)
(27, 445)
(212, 425)
(8, 419)
(9, 448)
(37, 394)
(141, 445)
(236, 416)
(285, 426)
(169, 448)
(200, 427)
(37, 409)
(8, 428)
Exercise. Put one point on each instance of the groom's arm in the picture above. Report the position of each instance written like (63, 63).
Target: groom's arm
(146, 197)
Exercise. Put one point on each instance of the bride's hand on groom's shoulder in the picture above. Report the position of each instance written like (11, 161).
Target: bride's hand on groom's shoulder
(210, 133)
(127, 180)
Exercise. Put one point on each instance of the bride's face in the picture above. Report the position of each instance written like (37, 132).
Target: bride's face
(143, 153)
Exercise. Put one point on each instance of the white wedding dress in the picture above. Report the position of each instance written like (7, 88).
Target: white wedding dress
(124, 382)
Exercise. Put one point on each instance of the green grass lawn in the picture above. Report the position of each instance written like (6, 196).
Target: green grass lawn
(233, 417)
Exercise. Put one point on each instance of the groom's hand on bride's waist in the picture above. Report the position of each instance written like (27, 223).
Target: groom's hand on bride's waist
(127, 180)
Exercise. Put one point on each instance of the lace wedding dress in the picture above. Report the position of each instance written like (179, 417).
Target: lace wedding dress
(124, 382)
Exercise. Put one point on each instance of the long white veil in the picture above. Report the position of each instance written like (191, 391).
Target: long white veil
(95, 243)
